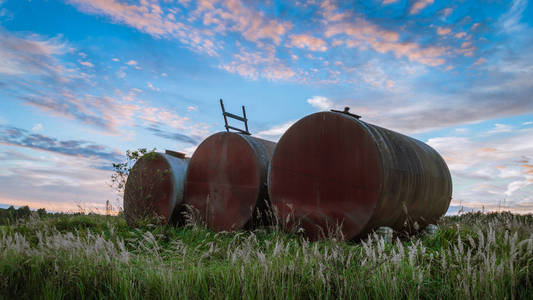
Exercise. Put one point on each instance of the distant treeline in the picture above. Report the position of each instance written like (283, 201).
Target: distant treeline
(11, 214)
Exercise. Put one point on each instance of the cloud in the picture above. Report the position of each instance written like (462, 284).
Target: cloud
(376, 77)
(55, 182)
(234, 15)
(320, 102)
(257, 64)
(150, 85)
(120, 74)
(41, 79)
(275, 132)
(447, 11)
(37, 127)
(104, 113)
(426, 115)
(362, 33)
(485, 171)
(503, 89)
(219, 16)
(149, 17)
(510, 21)
(174, 136)
(516, 185)
(460, 35)
(387, 2)
(419, 5)
(500, 128)
(30, 56)
(443, 31)
(86, 64)
(15, 136)
(307, 41)
(480, 61)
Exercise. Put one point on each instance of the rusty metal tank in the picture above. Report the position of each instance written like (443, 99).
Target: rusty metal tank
(226, 180)
(331, 170)
(155, 186)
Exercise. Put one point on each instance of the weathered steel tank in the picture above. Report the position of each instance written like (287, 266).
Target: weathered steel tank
(331, 170)
(155, 186)
(226, 180)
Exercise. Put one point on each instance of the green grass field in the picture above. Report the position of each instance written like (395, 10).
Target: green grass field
(483, 256)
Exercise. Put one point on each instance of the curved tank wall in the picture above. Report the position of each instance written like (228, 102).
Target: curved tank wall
(330, 169)
(155, 186)
(226, 180)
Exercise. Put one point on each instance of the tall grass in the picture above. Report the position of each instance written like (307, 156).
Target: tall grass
(479, 256)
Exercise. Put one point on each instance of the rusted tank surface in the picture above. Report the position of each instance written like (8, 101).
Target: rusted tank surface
(330, 170)
(226, 180)
(155, 186)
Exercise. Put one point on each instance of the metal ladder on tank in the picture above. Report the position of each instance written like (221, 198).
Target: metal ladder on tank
(236, 117)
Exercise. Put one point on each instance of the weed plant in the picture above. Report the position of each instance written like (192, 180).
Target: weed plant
(472, 256)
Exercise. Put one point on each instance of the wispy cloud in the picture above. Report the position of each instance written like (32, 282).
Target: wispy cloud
(151, 86)
(86, 64)
(40, 77)
(275, 132)
(510, 21)
(15, 136)
(500, 128)
(30, 56)
(172, 135)
(386, 2)
(259, 64)
(419, 5)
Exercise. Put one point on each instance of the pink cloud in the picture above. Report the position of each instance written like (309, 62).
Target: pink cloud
(307, 41)
(87, 64)
(149, 17)
(387, 2)
(447, 11)
(255, 64)
(460, 35)
(32, 55)
(383, 41)
(419, 5)
(480, 61)
(443, 31)
(330, 12)
(236, 16)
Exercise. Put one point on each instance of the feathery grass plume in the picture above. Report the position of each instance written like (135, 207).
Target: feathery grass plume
(81, 256)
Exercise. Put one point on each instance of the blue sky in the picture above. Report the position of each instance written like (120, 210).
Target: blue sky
(82, 81)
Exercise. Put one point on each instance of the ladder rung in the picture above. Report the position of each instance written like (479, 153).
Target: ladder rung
(237, 129)
(234, 116)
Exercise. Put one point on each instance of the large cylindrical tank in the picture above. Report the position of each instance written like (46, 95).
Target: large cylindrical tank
(331, 170)
(226, 180)
(155, 186)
